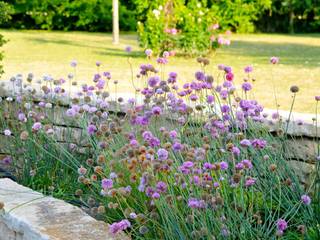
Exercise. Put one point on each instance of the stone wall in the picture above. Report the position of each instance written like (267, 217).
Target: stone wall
(28, 215)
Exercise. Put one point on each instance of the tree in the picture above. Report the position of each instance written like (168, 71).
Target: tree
(115, 21)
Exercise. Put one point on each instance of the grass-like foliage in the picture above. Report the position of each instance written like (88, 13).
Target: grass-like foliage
(191, 161)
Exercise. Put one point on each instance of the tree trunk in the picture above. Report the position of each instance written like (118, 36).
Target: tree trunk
(115, 20)
(291, 21)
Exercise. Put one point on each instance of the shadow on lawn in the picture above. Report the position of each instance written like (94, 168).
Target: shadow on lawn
(289, 53)
(102, 50)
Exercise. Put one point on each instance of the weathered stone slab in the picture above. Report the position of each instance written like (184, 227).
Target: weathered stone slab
(28, 215)
(301, 149)
(304, 172)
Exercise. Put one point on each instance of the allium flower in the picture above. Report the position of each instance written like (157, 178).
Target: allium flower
(162, 60)
(250, 182)
(36, 126)
(162, 154)
(173, 134)
(223, 165)
(155, 195)
(210, 99)
(153, 81)
(148, 52)
(128, 49)
(91, 129)
(317, 98)
(306, 200)
(161, 186)
(282, 224)
(7, 132)
(106, 183)
(246, 86)
(259, 143)
(229, 76)
(200, 76)
(248, 69)
(195, 203)
(73, 63)
(245, 143)
(274, 60)
(119, 226)
(156, 110)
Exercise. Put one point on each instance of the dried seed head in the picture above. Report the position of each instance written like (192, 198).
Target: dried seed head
(272, 167)
(1, 205)
(101, 209)
(78, 192)
(294, 89)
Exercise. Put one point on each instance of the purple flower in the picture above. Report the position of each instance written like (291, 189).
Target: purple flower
(245, 143)
(162, 154)
(200, 76)
(106, 183)
(148, 52)
(274, 60)
(246, 86)
(91, 129)
(173, 134)
(207, 165)
(177, 146)
(156, 110)
(317, 98)
(210, 99)
(259, 143)
(119, 226)
(73, 63)
(247, 163)
(248, 69)
(161, 186)
(223, 165)
(7, 160)
(195, 203)
(153, 81)
(282, 224)
(36, 126)
(128, 49)
(306, 200)
(155, 195)
(250, 182)
(235, 151)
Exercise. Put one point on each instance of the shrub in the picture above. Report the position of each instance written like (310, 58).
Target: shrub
(5, 11)
(191, 28)
(186, 162)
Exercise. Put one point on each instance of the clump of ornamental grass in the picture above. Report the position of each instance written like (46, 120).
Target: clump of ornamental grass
(190, 160)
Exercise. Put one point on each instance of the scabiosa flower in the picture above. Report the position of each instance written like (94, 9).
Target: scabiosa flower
(274, 60)
(106, 183)
(306, 200)
(162, 154)
(91, 129)
(116, 227)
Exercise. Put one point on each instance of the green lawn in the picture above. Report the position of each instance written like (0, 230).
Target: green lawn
(43, 52)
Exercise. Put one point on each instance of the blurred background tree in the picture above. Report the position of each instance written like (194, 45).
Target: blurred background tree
(5, 12)
(96, 15)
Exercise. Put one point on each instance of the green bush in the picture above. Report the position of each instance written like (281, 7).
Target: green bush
(175, 25)
(5, 11)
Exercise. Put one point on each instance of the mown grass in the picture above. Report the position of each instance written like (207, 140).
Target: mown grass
(43, 52)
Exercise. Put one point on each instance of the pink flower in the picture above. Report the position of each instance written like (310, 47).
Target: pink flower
(106, 183)
(274, 60)
(306, 200)
(119, 226)
(229, 76)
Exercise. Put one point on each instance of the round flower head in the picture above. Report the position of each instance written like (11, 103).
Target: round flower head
(229, 76)
(73, 63)
(148, 52)
(246, 86)
(317, 98)
(306, 200)
(7, 132)
(274, 60)
(248, 69)
(128, 49)
(91, 129)
(282, 224)
(106, 183)
(162, 154)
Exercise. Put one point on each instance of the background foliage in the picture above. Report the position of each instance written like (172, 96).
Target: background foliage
(5, 11)
(95, 15)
